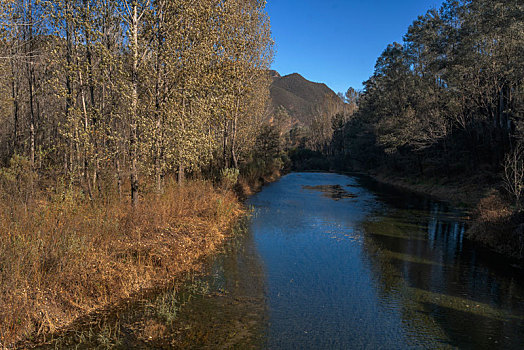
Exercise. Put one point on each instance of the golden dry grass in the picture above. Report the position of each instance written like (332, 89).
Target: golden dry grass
(61, 258)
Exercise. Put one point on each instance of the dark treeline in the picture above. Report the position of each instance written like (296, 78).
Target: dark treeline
(449, 100)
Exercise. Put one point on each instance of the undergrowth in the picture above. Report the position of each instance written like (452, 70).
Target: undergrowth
(63, 256)
(499, 226)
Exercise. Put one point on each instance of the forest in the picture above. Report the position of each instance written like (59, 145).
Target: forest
(123, 127)
(445, 109)
(442, 114)
(130, 129)
(95, 91)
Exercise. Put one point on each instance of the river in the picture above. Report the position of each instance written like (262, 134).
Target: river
(332, 261)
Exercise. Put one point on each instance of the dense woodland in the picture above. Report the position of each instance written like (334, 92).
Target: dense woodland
(449, 100)
(447, 105)
(443, 113)
(124, 126)
(113, 96)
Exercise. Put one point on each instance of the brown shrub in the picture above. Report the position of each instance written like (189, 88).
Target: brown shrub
(492, 208)
(498, 227)
(62, 257)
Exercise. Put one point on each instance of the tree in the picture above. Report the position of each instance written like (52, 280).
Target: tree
(133, 12)
(513, 174)
(451, 92)
(94, 87)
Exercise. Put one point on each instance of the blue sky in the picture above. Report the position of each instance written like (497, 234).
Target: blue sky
(338, 41)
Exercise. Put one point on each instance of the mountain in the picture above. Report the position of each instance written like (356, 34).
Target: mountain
(303, 100)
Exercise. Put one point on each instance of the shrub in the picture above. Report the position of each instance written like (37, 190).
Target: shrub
(514, 174)
(498, 227)
(16, 180)
(229, 177)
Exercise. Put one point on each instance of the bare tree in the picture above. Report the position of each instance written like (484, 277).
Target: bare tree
(514, 174)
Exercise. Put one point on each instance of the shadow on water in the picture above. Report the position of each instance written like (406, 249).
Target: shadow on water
(459, 328)
(439, 277)
(335, 192)
(353, 264)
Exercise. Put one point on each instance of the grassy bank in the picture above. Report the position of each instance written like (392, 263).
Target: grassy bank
(494, 222)
(62, 257)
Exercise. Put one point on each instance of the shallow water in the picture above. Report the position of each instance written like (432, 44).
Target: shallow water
(377, 268)
(336, 262)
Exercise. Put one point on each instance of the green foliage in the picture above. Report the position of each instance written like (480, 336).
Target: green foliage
(229, 177)
(448, 99)
(128, 92)
(268, 143)
(307, 159)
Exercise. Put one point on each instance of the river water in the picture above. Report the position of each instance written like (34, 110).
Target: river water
(331, 261)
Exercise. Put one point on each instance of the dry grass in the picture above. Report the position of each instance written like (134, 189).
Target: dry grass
(248, 185)
(61, 257)
(499, 227)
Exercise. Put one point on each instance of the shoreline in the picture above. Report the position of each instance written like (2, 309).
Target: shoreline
(122, 258)
(204, 243)
(492, 226)
(199, 246)
(459, 194)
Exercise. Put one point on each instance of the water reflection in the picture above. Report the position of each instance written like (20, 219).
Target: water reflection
(332, 262)
(418, 254)
(377, 269)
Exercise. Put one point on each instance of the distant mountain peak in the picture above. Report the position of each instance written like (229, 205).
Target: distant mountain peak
(274, 74)
(303, 100)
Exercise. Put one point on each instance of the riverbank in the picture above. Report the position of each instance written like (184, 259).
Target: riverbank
(245, 187)
(465, 193)
(493, 223)
(62, 257)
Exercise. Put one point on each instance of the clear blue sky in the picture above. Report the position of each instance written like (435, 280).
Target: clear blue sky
(338, 41)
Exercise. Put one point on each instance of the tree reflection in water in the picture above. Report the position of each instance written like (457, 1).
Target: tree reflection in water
(420, 259)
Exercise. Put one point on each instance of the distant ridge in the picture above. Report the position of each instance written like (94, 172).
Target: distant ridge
(302, 99)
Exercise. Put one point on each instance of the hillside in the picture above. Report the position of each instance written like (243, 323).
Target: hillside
(302, 99)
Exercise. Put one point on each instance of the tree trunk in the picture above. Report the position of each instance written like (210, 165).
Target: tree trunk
(158, 111)
(69, 84)
(181, 175)
(225, 135)
(233, 143)
(30, 81)
(134, 106)
(14, 96)
(91, 136)
(86, 136)
(118, 178)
